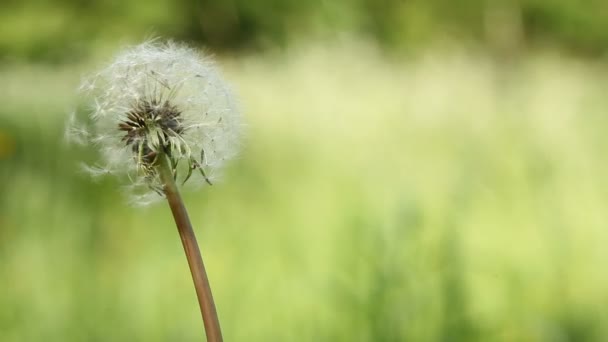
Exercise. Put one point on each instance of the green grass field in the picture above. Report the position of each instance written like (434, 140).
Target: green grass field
(444, 197)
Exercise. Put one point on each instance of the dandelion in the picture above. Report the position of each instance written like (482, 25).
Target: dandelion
(159, 99)
(160, 114)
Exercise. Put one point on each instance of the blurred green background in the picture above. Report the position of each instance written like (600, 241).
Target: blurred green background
(412, 171)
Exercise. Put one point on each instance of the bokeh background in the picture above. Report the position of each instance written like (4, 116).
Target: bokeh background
(413, 170)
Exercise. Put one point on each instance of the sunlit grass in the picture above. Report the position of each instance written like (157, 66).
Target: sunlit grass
(441, 196)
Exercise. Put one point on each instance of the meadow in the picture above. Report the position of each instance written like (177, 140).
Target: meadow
(444, 196)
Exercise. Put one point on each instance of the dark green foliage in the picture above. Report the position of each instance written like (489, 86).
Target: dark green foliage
(63, 30)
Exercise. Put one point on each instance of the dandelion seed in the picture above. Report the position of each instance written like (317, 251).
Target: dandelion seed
(159, 98)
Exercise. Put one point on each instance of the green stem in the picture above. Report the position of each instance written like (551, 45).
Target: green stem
(193, 253)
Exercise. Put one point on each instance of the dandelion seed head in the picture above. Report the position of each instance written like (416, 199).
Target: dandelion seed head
(158, 98)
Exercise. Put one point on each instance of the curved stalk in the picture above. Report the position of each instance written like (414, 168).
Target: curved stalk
(193, 254)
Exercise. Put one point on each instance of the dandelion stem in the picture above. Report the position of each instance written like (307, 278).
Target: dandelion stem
(193, 253)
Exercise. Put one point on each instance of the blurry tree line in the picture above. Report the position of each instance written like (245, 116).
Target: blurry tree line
(60, 30)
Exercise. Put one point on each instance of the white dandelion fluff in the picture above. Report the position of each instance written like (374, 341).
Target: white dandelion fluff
(155, 100)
